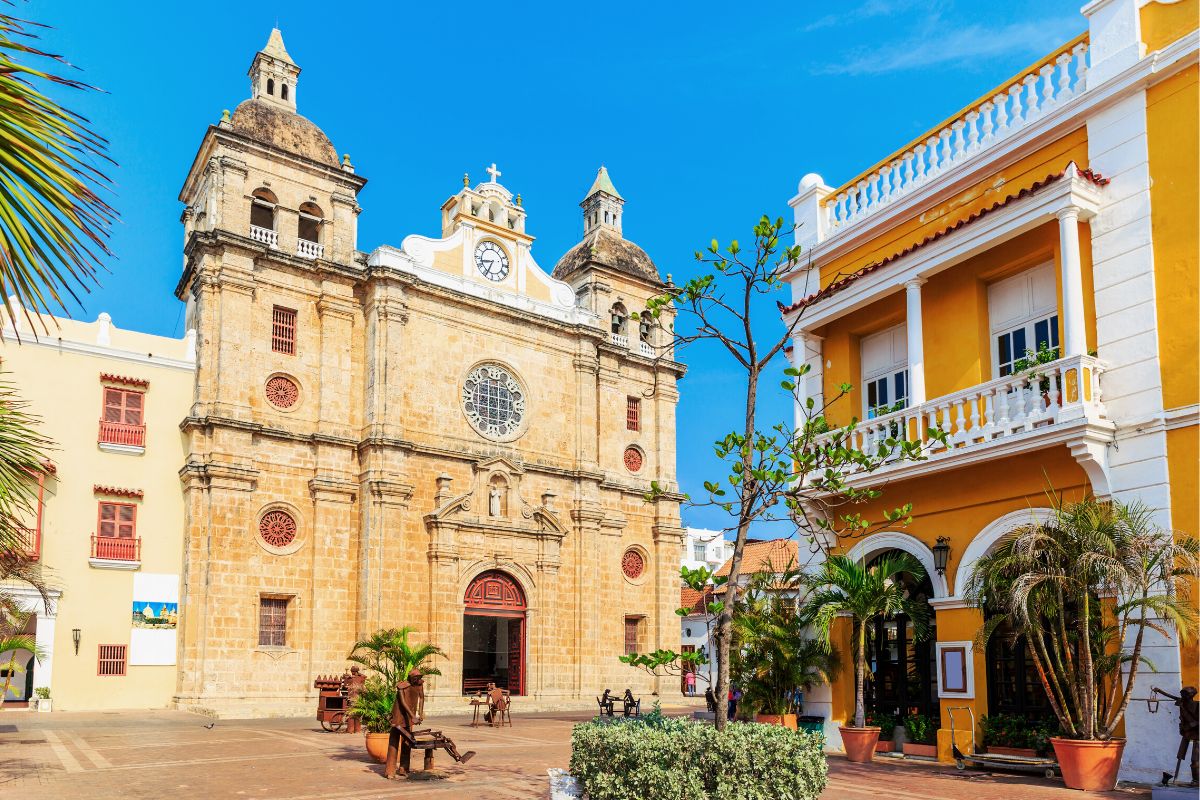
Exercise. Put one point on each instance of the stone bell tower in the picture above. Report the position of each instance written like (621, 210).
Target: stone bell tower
(273, 74)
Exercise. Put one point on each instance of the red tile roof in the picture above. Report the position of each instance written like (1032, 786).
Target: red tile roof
(773, 555)
(842, 283)
(116, 491)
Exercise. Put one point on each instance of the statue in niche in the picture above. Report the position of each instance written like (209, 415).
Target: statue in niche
(497, 497)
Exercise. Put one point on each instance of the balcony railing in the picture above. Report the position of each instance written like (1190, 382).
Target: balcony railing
(123, 434)
(109, 548)
(1034, 92)
(31, 541)
(264, 235)
(620, 340)
(307, 249)
(645, 349)
(1048, 395)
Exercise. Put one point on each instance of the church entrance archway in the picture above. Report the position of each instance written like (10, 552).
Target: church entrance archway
(494, 627)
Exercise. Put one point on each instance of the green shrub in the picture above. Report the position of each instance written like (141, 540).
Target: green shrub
(374, 705)
(688, 761)
(920, 729)
(42, 692)
(884, 721)
(1015, 730)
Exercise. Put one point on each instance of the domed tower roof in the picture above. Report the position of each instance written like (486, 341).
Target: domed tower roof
(270, 116)
(603, 243)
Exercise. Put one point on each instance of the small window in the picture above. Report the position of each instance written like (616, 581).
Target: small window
(283, 91)
(117, 521)
(262, 209)
(272, 621)
(633, 413)
(111, 660)
(271, 86)
(283, 330)
(633, 628)
(1023, 312)
(309, 226)
(698, 551)
(885, 372)
(123, 406)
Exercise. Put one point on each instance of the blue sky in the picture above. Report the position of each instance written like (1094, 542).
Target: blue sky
(706, 114)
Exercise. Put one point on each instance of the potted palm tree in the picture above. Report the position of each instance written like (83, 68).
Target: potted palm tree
(1095, 575)
(844, 587)
(388, 655)
(771, 658)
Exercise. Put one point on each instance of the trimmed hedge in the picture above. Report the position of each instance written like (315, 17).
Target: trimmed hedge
(688, 761)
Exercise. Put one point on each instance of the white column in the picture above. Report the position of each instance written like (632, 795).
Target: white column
(810, 215)
(1074, 333)
(807, 350)
(916, 343)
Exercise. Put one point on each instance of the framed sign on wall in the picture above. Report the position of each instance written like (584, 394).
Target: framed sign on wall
(956, 669)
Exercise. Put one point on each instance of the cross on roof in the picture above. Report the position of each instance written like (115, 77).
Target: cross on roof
(495, 173)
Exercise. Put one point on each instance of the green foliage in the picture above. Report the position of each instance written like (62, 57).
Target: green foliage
(1017, 730)
(920, 729)
(884, 721)
(845, 586)
(1046, 579)
(388, 653)
(23, 455)
(53, 223)
(688, 761)
(373, 706)
(668, 662)
(1030, 362)
(43, 692)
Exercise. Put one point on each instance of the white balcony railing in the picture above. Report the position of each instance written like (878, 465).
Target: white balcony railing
(645, 349)
(1058, 393)
(264, 235)
(307, 249)
(1049, 83)
(620, 340)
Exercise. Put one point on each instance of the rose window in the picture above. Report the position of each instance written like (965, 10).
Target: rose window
(277, 528)
(494, 402)
(632, 564)
(633, 459)
(282, 392)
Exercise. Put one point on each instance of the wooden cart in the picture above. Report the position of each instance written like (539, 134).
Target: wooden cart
(331, 703)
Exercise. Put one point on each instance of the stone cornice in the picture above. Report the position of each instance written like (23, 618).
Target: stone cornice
(200, 242)
(332, 489)
(196, 475)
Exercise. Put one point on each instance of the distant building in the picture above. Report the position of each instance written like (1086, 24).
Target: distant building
(705, 548)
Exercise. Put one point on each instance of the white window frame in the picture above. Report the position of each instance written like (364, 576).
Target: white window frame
(1034, 309)
(889, 372)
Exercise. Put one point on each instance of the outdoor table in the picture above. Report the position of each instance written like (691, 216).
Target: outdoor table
(476, 703)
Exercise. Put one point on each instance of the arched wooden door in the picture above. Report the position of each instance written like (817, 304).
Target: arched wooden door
(494, 633)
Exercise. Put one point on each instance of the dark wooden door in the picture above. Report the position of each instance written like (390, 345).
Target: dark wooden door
(516, 656)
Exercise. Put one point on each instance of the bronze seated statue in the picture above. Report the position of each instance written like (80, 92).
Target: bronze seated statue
(408, 712)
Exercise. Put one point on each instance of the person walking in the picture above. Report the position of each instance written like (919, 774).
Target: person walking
(689, 680)
(735, 694)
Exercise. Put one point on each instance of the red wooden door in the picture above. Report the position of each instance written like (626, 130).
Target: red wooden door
(516, 656)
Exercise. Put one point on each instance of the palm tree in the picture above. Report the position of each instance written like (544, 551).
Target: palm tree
(771, 658)
(846, 587)
(53, 222)
(388, 653)
(1095, 575)
(22, 457)
(10, 646)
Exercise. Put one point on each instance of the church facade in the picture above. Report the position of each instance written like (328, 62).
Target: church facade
(441, 435)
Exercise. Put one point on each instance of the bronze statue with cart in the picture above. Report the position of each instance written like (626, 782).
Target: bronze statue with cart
(407, 712)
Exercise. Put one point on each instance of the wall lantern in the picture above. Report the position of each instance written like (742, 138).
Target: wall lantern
(941, 554)
(75, 639)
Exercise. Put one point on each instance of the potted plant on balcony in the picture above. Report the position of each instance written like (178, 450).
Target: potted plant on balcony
(771, 658)
(1095, 575)
(920, 735)
(846, 587)
(388, 655)
(1029, 365)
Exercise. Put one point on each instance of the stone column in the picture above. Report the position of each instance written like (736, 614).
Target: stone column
(916, 340)
(668, 547)
(1074, 330)
(334, 577)
(587, 517)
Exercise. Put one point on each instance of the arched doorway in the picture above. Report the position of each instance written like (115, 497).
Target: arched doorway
(494, 634)
(903, 675)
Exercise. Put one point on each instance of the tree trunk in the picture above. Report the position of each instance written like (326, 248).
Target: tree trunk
(860, 675)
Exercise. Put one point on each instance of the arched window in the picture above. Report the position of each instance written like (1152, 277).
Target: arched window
(619, 319)
(644, 326)
(283, 91)
(262, 210)
(271, 86)
(309, 227)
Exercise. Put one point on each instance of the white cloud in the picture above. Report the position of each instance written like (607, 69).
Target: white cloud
(870, 9)
(940, 44)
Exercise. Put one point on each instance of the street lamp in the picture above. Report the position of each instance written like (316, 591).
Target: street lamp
(941, 554)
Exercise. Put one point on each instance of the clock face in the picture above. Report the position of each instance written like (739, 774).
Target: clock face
(491, 261)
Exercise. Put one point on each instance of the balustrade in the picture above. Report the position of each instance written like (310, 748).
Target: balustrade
(264, 235)
(123, 434)
(307, 249)
(619, 340)
(1046, 395)
(645, 349)
(1048, 84)
(111, 548)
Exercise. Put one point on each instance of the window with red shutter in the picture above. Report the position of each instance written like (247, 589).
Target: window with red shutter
(122, 406)
(272, 621)
(117, 520)
(632, 625)
(111, 659)
(633, 413)
(283, 330)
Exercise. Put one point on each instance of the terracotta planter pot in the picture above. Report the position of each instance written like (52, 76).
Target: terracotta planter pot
(377, 744)
(1089, 766)
(884, 746)
(1001, 750)
(926, 750)
(859, 743)
(786, 720)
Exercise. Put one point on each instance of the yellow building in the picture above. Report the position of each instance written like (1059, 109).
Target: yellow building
(1059, 208)
(109, 530)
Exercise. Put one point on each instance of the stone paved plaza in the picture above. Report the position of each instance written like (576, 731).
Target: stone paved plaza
(166, 754)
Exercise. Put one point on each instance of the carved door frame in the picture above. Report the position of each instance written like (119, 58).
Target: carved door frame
(495, 593)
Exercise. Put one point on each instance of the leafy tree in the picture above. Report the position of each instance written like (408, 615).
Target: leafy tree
(53, 222)
(798, 474)
(845, 586)
(1051, 581)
